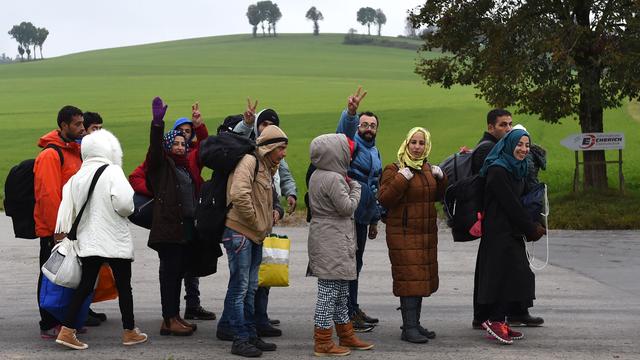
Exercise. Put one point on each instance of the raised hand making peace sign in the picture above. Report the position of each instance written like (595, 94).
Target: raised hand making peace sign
(196, 117)
(250, 113)
(354, 101)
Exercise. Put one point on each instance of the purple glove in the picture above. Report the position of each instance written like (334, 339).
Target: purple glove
(158, 108)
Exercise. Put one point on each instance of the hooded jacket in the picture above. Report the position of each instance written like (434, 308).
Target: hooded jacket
(333, 201)
(50, 177)
(138, 178)
(366, 168)
(251, 199)
(103, 229)
(283, 180)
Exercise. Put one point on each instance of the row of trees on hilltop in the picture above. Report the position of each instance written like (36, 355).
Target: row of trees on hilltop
(268, 12)
(264, 12)
(27, 35)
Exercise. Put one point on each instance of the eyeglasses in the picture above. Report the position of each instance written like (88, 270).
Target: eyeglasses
(367, 126)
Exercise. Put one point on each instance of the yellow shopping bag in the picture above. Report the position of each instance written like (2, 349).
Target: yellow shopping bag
(274, 269)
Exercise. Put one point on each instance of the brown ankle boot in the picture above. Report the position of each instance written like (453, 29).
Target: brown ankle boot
(324, 345)
(132, 337)
(67, 337)
(184, 322)
(172, 326)
(349, 339)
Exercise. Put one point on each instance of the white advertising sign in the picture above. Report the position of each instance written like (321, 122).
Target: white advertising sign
(594, 141)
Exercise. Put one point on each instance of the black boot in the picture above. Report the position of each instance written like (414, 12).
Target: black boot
(410, 333)
(424, 331)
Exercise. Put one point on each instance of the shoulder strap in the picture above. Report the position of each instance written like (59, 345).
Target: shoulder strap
(72, 233)
(58, 150)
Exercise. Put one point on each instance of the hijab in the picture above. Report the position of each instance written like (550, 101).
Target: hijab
(502, 155)
(405, 159)
(167, 142)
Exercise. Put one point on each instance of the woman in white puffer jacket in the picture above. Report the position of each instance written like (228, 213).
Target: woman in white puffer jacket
(103, 234)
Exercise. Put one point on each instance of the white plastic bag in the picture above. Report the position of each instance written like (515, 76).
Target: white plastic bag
(63, 266)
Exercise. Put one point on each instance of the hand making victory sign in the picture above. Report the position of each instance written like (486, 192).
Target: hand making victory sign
(250, 114)
(196, 117)
(354, 101)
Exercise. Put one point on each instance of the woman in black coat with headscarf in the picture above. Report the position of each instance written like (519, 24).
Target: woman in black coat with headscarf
(502, 265)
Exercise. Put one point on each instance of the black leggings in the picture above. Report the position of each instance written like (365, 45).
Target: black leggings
(173, 263)
(90, 269)
(47, 321)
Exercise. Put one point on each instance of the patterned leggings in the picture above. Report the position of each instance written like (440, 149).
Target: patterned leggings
(332, 304)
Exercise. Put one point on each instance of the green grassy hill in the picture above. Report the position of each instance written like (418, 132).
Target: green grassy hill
(305, 78)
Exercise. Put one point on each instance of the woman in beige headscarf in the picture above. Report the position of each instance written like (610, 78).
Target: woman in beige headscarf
(409, 189)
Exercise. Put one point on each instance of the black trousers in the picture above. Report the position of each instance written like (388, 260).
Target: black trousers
(47, 321)
(173, 264)
(122, 274)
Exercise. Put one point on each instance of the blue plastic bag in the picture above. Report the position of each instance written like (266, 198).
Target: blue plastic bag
(55, 299)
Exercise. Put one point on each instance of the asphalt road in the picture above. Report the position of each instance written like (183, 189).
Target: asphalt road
(588, 296)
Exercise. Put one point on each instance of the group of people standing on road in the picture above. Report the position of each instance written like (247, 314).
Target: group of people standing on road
(349, 193)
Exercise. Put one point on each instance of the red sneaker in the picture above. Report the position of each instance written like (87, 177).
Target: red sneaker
(515, 335)
(498, 330)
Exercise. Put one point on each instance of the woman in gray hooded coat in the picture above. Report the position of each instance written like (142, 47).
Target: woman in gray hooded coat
(333, 199)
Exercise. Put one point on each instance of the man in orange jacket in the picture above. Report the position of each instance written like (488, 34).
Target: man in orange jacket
(50, 175)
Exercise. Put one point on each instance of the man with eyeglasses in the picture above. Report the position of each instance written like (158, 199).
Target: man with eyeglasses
(366, 168)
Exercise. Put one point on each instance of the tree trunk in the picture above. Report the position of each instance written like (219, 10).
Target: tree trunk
(41, 53)
(274, 30)
(379, 30)
(316, 28)
(255, 30)
(369, 29)
(587, 56)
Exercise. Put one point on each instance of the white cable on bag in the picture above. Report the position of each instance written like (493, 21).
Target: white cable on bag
(530, 254)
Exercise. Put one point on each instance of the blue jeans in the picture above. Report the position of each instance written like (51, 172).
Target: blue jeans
(244, 261)
(361, 238)
(260, 303)
(192, 291)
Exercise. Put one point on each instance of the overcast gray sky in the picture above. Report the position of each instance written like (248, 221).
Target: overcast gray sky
(79, 25)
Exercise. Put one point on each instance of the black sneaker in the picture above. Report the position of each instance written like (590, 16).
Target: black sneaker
(260, 344)
(198, 313)
(245, 349)
(224, 334)
(525, 320)
(366, 318)
(101, 316)
(92, 321)
(359, 325)
(274, 321)
(268, 331)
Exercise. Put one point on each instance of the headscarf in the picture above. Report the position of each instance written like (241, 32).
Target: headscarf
(405, 159)
(502, 155)
(167, 142)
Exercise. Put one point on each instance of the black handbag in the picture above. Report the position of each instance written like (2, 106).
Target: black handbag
(143, 213)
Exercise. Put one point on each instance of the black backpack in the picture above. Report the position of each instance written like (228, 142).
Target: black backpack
(19, 197)
(310, 171)
(463, 205)
(220, 153)
(458, 166)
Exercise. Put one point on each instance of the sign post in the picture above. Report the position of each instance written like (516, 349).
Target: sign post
(592, 142)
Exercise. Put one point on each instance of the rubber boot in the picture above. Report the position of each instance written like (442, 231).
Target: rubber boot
(324, 345)
(424, 331)
(410, 333)
(349, 339)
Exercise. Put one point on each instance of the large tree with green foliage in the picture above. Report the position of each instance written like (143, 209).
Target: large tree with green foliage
(273, 15)
(380, 20)
(366, 16)
(27, 35)
(253, 14)
(554, 58)
(315, 15)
